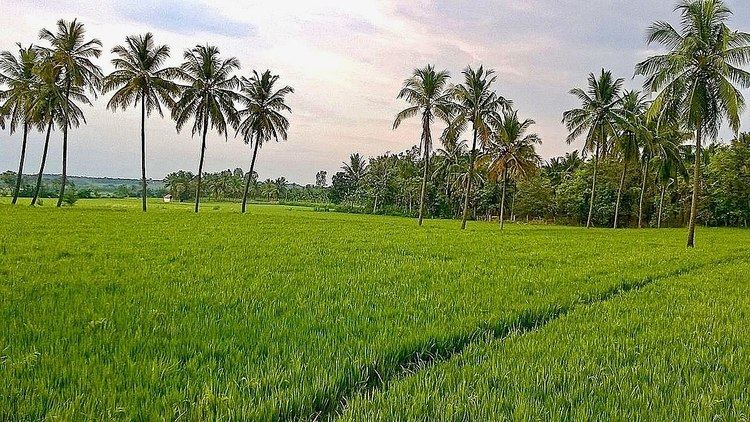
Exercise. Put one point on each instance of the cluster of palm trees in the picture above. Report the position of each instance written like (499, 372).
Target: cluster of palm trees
(47, 85)
(498, 137)
(697, 84)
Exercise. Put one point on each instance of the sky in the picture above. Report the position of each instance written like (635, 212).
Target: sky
(346, 60)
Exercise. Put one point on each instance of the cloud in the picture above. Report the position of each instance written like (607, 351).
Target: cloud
(184, 17)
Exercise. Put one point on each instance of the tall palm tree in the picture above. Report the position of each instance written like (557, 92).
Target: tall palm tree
(700, 76)
(669, 165)
(477, 104)
(139, 77)
(355, 171)
(630, 130)
(426, 92)
(660, 146)
(261, 119)
(449, 159)
(600, 109)
(53, 106)
(511, 152)
(71, 55)
(207, 98)
(15, 101)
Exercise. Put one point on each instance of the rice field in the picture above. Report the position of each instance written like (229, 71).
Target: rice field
(288, 313)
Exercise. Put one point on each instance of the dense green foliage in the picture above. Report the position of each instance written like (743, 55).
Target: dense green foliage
(283, 311)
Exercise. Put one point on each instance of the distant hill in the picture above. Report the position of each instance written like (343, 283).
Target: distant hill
(102, 183)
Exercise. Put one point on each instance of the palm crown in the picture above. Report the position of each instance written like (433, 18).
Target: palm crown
(599, 111)
(72, 54)
(426, 91)
(700, 73)
(263, 105)
(208, 96)
(139, 75)
(511, 150)
(18, 73)
(476, 103)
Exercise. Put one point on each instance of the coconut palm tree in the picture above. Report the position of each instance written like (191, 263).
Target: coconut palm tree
(53, 106)
(15, 101)
(449, 160)
(71, 55)
(426, 92)
(700, 76)
(207, 98)
(661, 145)
(511, 152)
(475, 103)
(630, 131)
(355, 171)
(140, 78)
(261, 119)
(600, 110)
(669, 164)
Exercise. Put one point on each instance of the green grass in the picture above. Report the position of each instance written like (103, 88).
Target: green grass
(677, 350)
(283, 312)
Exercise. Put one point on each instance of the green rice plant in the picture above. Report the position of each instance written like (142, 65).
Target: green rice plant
(282, 313)
(675, 350)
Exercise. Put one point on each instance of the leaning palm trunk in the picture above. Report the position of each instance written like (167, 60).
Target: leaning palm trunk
(19, 176)
(250, 174)
(593, 186)
(696, 187)
(502, 199)
(467, 194)
(200, 164)
(41, 167)
(65, 144)
(143, 152)
(661, 206)
(619, 192)
(643, 190)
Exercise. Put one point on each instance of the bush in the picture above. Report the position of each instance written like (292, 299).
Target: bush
(70, 197)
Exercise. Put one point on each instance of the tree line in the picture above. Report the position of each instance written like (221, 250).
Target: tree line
(695, 86)
(47, 85)
(638, 145)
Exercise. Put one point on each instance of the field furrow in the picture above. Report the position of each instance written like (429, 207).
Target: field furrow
(673, 350)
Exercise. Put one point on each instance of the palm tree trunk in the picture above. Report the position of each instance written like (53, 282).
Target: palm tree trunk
(200, 164)
(65, 144)
(643, 190)
(696, 186)
(250, 174)
(41, 167)
(593, 184)
(619, 192)
(661, 206)
(143, 150)
(502, 200)
(427, 137)
(468, 182)
(19, 176)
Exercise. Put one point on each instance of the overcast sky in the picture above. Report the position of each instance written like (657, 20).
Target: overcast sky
(346, 60)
